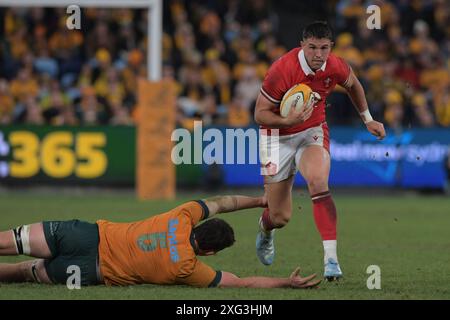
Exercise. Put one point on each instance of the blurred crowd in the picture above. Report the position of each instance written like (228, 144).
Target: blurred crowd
(217, 52)
(404, 66)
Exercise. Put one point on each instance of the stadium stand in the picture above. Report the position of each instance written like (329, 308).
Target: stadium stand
(217, 52)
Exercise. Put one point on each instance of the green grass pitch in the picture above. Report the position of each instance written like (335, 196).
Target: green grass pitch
(407, 236)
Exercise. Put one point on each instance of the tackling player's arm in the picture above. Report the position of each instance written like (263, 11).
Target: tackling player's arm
(230, 280)
(265, 116)
(356, 93)
(222, 204)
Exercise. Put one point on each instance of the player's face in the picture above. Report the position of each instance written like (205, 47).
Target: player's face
(316, 51)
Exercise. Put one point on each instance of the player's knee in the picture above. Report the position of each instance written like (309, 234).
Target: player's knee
(317, 184)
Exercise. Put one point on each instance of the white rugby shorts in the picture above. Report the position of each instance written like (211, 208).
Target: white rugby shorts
(280, 157)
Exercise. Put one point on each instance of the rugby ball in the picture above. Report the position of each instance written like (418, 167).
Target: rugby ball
(296, 97)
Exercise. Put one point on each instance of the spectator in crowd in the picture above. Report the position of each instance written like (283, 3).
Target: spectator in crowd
(6, 103)
(238, 115)
(394, 112)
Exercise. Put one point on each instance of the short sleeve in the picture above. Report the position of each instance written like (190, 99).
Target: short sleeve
(202, 276)
(275, 85)
(342, 71)
(197, 210)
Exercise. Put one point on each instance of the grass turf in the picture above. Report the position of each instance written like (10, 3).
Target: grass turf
(407, 236)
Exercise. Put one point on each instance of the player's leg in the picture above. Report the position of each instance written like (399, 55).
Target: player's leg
(26, 271)
(279, 201)
(314, 165)
(278, 168)
(276, 215)
(27, 240)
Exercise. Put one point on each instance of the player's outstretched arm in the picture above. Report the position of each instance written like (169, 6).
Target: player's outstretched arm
(230, 280)
(221, 204)
(356, 92)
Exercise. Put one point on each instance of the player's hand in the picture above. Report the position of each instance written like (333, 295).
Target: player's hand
(377, 129)
(296, 281)
(296, 117)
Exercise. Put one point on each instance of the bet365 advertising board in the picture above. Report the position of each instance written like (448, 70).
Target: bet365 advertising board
(106, 156)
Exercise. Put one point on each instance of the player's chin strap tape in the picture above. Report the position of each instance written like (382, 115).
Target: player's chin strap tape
(22, 237)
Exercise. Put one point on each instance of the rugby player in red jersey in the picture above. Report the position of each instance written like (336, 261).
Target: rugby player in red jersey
(304, 138)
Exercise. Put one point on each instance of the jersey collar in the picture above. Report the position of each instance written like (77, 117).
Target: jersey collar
(193, 243)
(305, 66)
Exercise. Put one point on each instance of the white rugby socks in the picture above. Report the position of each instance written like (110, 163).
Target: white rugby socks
(329, 248)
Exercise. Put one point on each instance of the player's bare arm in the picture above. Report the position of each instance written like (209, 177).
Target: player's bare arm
(229, 280)
(358, 97)
(222, 204)
(265, 115)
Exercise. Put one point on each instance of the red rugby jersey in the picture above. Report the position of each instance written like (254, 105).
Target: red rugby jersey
(291, 69)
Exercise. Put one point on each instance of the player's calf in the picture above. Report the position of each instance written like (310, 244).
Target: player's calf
(26, 271)
(7, 243)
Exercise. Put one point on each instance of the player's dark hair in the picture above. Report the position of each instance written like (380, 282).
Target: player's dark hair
(318, 30)
(214, 235)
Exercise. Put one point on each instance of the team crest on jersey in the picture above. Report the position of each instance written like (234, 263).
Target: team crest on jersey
(327, 82)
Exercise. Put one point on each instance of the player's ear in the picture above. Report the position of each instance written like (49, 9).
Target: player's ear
(207, 253)
(331, 44)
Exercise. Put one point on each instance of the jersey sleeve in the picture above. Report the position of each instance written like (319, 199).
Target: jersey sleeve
(342, 71)
(196, 210)
(202, 276)
(275, 85)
